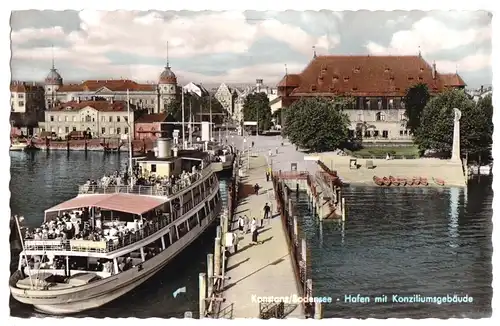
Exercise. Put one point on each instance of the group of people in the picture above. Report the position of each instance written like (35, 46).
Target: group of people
(171, 184)
(245, 225)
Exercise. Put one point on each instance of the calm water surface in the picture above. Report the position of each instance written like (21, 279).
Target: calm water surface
(431, 242)
(41, 180)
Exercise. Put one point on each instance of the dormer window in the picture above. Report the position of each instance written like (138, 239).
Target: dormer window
(421, 69)
(346, 79)
(354, 88)
(420, 78)
(410, 78)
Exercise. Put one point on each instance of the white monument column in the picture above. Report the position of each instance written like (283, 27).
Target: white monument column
(455, 153)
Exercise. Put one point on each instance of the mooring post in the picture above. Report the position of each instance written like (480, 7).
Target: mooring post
(343, 209)
(318, 310)
(217, 257)
(290, 206)
(303, 251)
(210, 274)
(218, 231)
(202, 294)
(297, 189)
(295, 230)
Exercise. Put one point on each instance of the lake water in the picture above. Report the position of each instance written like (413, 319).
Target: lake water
(405, 241)
(40, 180)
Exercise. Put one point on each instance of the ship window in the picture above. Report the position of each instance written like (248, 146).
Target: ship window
(153, 168)
(192, 221)
(182, 229)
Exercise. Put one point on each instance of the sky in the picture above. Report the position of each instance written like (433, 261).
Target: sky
(239, 47)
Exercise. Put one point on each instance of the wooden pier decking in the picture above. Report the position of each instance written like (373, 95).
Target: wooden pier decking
(265, 269)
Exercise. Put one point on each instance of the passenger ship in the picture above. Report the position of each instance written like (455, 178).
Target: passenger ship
(122, 235)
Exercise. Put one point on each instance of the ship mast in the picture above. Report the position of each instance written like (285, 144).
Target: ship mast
(131, 168)
(183, 130)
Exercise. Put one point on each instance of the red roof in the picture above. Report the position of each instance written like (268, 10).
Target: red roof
(21, 87)
(127, 203)
(151, 118)
(115, 85)
(364, 76)
(451, 80)
(103, 106)
(290, 81)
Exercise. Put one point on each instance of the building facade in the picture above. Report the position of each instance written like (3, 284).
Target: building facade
(378, 84)
(101, 119)
(225, 96)
(151, 97)
(26, 98)
(148, 126)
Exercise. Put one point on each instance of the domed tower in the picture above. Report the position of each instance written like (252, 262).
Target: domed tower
(167, 86)
(52, 83)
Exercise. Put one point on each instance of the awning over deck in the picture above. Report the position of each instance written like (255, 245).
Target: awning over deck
(127, 203)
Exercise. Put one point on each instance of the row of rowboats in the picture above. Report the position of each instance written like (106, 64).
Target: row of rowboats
(402, 182)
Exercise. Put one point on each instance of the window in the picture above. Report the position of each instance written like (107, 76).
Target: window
(103, 130)
(153, 168)
(110, 119)
(380, 116)
(67, 130)
(65, 119)
(360, 117)
(52, 118)
(20, 95)
(367, 104)
(125, 118)
(401, 132)
(368, 134)
(376, 133)
(88, 118)
(391, 104)
(125, 131)
(118, 119)
(74, 128)
(21, 103)
(385, 134)
(118, 131)
(111, 130)
(74, 119)
(103, 119)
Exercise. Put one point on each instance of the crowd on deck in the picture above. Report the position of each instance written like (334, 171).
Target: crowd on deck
(78, 226)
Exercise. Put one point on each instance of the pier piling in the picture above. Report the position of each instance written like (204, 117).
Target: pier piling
(343, 209)
(217, 257)
(318, 310)
(210, 274)
(203, 294)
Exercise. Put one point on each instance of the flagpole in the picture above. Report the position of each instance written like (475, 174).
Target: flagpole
(183, 130)
(130, 154)
(210, 105)
(190, 124)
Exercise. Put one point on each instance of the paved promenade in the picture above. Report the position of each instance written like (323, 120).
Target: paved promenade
(264, 269)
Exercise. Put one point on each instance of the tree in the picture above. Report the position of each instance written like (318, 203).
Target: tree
(436, 124)
(415, 101)
(257, 108)
(318, 124)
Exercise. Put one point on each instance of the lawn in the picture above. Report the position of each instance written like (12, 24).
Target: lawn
(381, 152)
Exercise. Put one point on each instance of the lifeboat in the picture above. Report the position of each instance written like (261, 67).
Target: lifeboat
(423, 182)
(393, 180)
(386, 181)
(378, 181)
(416, 181)
(401, 182)
(439, 182)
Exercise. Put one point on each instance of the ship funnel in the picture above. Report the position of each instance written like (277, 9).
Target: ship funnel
(164, 146)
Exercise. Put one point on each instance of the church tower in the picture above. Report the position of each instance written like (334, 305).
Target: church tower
(167, 87)
(52, 83)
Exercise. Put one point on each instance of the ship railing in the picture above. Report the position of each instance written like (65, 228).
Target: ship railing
(105, 246)
(155, 190)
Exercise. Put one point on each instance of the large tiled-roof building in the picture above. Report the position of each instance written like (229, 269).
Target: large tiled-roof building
(378, 84)
(152, 97)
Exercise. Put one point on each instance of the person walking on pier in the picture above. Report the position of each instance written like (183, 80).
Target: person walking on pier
(241, 224)
(267, 176)
(267, 211)
(235, 243)
(246, 224)
(256, 189)
(253, 229)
